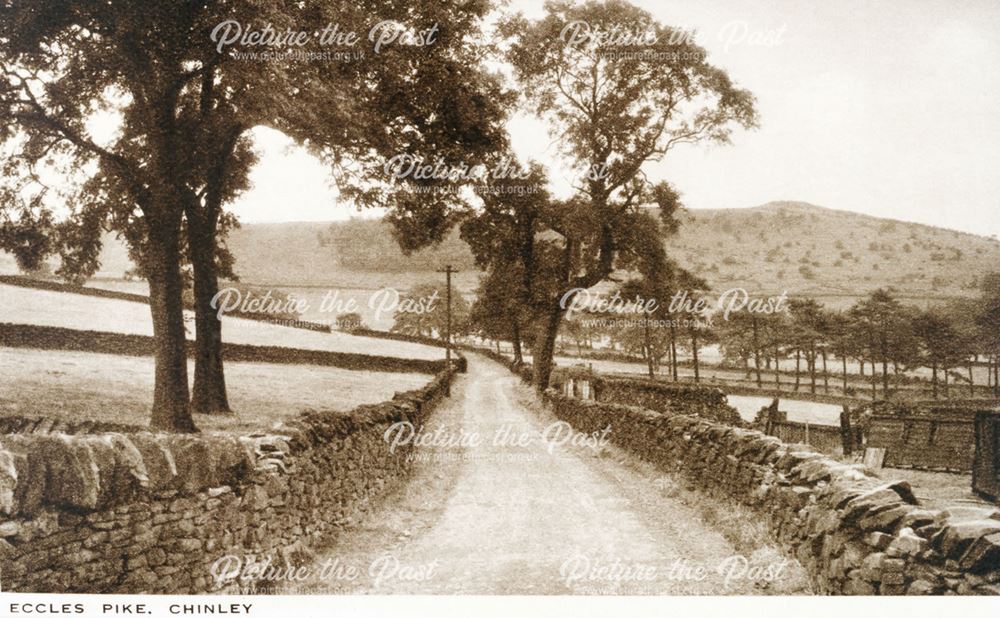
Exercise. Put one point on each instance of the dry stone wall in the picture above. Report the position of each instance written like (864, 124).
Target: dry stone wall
(57, 338)
(151, 513)
(705, 402)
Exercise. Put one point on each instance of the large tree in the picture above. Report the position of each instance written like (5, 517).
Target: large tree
(844, 342)
(612, 113)
(186, 103)
(62, 61)
(746, 335)
(423, 312)
(808, 334)
(887, 330)
(940, 344)
(654, 330)
(503, 236)
(497, 313)
(428, 103)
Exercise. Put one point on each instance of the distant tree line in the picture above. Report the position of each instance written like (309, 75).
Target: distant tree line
(881, 338)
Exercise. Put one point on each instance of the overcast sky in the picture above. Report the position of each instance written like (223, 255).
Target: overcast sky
(887, 107)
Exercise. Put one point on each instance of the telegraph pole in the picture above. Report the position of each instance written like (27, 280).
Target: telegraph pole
(447, 346)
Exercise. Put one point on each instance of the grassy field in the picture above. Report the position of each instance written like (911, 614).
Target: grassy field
(44, 308)
(119, 389)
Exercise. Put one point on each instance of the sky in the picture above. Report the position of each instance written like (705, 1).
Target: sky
(888, 108)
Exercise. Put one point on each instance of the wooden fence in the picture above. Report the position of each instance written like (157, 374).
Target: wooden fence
(931, 441)
(827, 438)
(842, 439)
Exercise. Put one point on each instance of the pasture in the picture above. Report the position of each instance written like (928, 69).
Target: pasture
(116, 389)
(46, 308)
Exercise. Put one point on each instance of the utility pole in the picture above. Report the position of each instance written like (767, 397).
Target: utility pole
(447, 347)
(649, 343)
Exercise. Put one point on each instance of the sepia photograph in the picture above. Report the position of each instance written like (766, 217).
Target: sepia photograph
(499, 307)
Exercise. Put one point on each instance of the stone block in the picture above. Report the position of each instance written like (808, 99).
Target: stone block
(157, 460)
(956, 538)
(8, 482)
(871, 567)
(866, 502)
(907, 543)
(30, 474)
(878, 540)
(858, 587)
(9, 528)
(883, 518)
(983, 554)
(74, 473)
(917, 517)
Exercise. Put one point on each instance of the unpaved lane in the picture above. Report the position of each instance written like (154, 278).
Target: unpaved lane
(515, 510)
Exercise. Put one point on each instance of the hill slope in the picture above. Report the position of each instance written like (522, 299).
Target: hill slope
(811, 250)
(793, 246)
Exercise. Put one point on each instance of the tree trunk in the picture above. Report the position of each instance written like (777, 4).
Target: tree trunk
(843, 363)
(516, 341)
(777, 370)
(826, 376)
(885, 377)
(798, 360)
(694, 355)
(874, 381)
(996, 375)
(209, 393)
(972, 384)
(944, 370)
(812, 370)
(171, 411)
(673, 350)
(544, 348)
(649, 345)
(934, 379)
(671, 360)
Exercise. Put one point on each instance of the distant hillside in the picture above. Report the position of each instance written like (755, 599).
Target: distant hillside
(811, 250)
(793, 246)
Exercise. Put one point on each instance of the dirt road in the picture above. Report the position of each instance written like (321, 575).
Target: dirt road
(505, 501)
